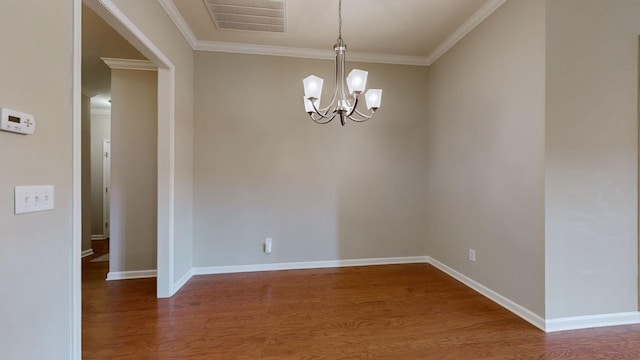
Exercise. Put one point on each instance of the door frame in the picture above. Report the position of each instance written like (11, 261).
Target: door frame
(106, 184)
(166, 286)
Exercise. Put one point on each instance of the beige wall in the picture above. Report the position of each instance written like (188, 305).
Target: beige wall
(35, 249)
(100, 130)
(100, 40)
(149, 16)
(591, 157)
(133, 200)
(484, 159)
(322, 192)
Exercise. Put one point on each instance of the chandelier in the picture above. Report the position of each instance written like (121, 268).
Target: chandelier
(342, 103)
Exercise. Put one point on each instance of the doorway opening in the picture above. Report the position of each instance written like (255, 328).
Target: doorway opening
(166, 286)
(119, 22)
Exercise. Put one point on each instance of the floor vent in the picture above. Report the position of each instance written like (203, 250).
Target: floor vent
(251, 15)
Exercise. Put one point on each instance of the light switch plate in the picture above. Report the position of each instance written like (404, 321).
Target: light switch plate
(33, 198)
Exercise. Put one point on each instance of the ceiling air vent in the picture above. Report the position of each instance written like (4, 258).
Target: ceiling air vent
(252, 15)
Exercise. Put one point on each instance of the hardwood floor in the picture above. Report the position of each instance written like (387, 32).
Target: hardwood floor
(380, 312)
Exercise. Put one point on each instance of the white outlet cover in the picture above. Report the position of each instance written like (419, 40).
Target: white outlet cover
(267, 245)
(472, 255)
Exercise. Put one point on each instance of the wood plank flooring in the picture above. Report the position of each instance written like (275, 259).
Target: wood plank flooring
(380, 312)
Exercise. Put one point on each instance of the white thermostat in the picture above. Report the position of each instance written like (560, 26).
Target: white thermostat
(17, 122)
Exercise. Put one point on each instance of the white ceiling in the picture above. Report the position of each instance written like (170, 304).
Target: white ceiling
(393, 31)
(414, 32)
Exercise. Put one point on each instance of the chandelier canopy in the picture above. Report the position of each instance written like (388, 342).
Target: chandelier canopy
(343, 104)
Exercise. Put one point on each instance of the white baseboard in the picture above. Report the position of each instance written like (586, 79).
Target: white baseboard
(182, 281)
(592, 321)
(553, 325)
(510, 305)
(210, 270)
(97, 237)
(125, 275)
(86, 253)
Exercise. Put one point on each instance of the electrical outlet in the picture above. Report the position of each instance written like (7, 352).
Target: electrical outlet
(472, 255)
(267, 245)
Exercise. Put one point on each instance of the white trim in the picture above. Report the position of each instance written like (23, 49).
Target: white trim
(183, 280)
(166, 139)
(86, 253)
(75, 340)
(166, 183)
(254, 49)
(508, 304)
(385, 58)
(129, 64)
(553, 325)
(106, 187)
(126, 275)
(478, 17)
(98, 237)
(121, 23)
(592, 321)
(269, 50)
(307, 265)
(170, 8)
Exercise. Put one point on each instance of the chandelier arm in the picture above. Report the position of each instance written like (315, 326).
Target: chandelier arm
(363, 117)
(320, 112)
(323, 111)
(354, 110)
(354, 106)
(318, 120)
(331, 104)
(359, 120)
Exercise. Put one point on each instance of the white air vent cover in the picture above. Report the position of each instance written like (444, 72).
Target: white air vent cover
(252, 15)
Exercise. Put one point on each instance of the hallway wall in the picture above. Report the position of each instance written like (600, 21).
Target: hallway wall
(134, 170)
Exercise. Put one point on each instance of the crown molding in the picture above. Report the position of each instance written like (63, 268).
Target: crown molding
(254, 49)
(129, 64)
(385, 58)
(170, 8)
(478, 17)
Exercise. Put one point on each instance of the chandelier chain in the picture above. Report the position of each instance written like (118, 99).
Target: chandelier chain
(340, 19)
